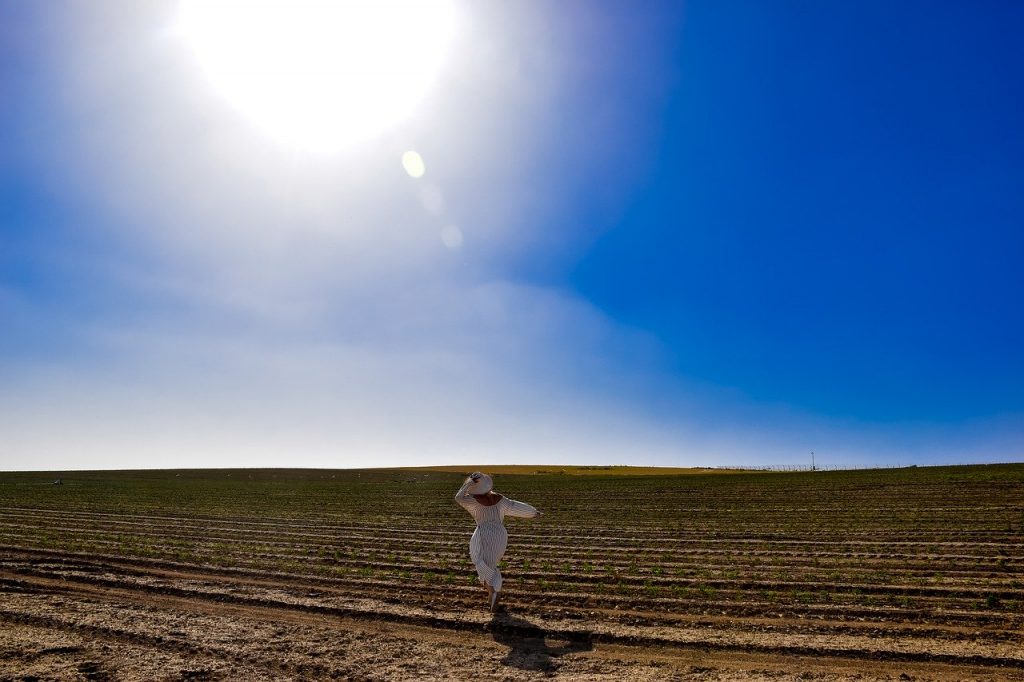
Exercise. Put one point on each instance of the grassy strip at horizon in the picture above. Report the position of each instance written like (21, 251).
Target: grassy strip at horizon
(573, 470)
(746, 499)
(461, 469)
(465, 469)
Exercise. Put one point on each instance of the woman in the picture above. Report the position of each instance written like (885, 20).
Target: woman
(489, 540)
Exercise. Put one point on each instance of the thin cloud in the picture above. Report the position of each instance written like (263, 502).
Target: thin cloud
(265, 308)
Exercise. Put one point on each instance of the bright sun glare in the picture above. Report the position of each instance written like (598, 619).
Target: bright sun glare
(320, 75)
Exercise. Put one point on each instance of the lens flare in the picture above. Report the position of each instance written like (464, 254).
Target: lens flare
(413, 164)
(451, 236)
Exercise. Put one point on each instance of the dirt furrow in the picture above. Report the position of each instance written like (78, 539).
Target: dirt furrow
(941, 596)
(470, 598)
(1006, 560)
(946, 609)
(587, 537)
(892, 648)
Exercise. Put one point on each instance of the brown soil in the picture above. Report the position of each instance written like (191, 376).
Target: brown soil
(69, 616)
(253, 575)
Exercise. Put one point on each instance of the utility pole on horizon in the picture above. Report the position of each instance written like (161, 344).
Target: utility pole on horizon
(812, 461)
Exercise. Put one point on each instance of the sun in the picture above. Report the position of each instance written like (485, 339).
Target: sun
(320, 76)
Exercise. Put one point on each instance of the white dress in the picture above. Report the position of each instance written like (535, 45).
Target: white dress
(489, 540)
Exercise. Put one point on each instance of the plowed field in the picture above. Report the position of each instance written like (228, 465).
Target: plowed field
(891, 574)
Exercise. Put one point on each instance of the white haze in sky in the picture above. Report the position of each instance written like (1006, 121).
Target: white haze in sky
(263, 307)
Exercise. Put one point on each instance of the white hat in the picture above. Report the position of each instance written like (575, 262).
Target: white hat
(482, 486)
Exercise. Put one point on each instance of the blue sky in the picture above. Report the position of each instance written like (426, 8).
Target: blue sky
(711, 233)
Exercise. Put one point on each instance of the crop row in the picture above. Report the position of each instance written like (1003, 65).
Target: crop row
(891, 503)
(652, 606)
(674, 531)
(1006, 546)
(928, 569)
(627, 582)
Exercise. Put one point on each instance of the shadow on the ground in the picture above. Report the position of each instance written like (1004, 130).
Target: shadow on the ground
(528, 646)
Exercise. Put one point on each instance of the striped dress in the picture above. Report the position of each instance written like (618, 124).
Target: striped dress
(489, 540)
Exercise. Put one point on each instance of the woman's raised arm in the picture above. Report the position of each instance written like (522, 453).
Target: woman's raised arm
(463, 497)
(520, 509)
